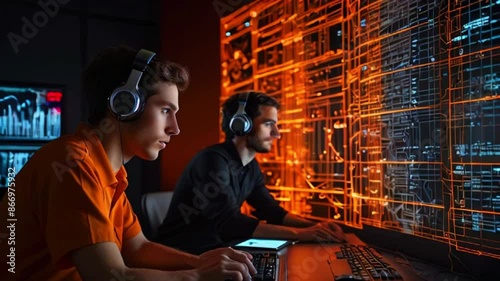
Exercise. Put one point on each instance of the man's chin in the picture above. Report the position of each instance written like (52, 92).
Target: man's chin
(150, 157)
(264, 149)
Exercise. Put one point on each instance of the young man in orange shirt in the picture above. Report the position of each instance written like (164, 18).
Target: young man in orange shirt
(74, 221)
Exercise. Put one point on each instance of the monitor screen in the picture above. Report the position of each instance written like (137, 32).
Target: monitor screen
(256, 243)
(30, 116)
(30, 113)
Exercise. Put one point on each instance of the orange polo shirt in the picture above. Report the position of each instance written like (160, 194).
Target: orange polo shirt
(66, 197)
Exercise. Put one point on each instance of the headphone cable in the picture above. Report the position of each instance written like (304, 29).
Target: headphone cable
(121, 142)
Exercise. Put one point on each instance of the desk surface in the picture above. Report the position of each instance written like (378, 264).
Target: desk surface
(309, 261)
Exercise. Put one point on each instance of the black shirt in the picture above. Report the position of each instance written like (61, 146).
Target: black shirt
(205, 210)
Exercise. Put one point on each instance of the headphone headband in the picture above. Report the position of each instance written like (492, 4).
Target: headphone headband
(242, 101)
(142, 59)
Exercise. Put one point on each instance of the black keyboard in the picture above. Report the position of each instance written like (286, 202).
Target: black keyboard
(267, 266)
(367, 263)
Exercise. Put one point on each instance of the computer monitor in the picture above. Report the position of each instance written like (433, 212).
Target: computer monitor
(30, 116)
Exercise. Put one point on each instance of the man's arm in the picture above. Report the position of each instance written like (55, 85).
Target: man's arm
(296, 228)
(296, 221)
(140, 252)
(288, 230)
(104, 261)
(264, 230)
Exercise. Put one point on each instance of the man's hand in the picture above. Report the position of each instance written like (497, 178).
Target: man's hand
(328, 231)
(334, 230)
(225, 263)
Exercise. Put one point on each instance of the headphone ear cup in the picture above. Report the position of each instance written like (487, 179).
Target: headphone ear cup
(126, 105)
(240, 124)
(127, 102)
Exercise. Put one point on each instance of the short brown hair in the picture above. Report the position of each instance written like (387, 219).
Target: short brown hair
(111, 69)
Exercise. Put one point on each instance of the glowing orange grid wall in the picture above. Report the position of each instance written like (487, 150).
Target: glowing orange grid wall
(390, 111)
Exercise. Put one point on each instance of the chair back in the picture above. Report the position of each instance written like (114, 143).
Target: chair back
(154, 208)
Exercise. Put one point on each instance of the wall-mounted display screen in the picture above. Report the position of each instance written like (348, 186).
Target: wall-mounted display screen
(30, 116)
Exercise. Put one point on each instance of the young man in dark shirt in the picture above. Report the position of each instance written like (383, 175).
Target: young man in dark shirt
(205, 207)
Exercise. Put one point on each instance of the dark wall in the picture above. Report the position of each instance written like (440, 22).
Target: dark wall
(190, 32)
(63, 37)
(190, 36)
(52, 41)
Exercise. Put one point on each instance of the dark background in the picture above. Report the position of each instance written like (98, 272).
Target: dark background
(184, 31)
(66, 38)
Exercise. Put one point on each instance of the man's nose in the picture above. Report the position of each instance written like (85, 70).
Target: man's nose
(275, 133)
(173, 127)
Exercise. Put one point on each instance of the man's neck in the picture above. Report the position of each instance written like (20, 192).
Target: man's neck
(246, 154)
(113, 147)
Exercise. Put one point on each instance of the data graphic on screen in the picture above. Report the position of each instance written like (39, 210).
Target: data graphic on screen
(30, 116)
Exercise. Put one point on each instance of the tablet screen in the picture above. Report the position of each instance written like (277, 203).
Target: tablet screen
(274, 244)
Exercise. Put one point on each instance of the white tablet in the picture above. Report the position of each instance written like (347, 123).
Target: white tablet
(267, 244)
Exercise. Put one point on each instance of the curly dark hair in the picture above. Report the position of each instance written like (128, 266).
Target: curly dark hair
(255, 99)
(111, 69)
